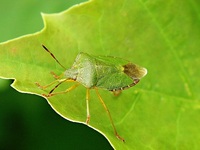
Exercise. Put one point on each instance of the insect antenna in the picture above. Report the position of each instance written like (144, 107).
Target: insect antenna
(53, 56)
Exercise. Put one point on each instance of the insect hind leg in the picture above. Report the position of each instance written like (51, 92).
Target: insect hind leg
(109, 115)
(87, 105)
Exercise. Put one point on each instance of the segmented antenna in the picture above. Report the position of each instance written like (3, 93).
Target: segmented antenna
(53, 57)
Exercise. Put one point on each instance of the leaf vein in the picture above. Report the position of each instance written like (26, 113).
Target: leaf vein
(169, 44)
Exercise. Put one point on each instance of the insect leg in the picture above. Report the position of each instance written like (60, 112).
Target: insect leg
(46, 86)
(117, 93)
(87, 104)
(57, 85)
(108, 112)
(62, 92)
(56, 76)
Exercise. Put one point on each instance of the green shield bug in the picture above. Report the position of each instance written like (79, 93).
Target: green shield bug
(94, 72)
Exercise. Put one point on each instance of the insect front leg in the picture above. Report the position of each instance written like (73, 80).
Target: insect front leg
(59, 83)
(56, 76)
(46, 86)
(62, 92)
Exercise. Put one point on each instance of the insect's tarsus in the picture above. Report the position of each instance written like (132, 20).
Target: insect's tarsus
(53, 56)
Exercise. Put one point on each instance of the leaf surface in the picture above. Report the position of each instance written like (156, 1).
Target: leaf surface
(162, 111)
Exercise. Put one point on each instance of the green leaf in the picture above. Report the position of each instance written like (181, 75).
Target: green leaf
(162, 111)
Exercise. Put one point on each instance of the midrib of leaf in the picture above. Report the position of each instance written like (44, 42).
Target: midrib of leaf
(171, 48)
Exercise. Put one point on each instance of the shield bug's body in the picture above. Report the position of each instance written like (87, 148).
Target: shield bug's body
(105, 72)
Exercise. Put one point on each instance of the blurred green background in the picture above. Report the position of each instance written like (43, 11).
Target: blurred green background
(27, 121)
